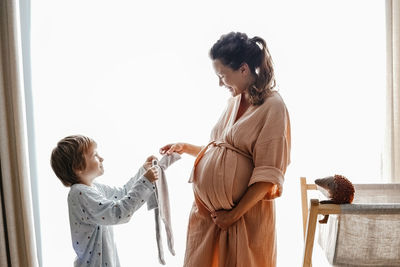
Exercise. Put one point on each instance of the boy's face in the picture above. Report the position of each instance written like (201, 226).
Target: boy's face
(94, 164)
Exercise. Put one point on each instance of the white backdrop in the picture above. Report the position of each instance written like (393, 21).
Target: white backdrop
(136, 75)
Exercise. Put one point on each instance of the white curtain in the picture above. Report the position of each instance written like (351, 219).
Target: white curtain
(17, 237)
(391, 157)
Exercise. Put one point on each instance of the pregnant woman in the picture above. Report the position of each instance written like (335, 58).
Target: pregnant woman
(239, 173)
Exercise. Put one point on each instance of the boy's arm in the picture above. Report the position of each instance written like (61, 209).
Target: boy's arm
(120, 192)
(98, 209)
(147, 164)
(132, 181)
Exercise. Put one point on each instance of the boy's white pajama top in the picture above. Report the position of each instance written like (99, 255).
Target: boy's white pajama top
(92, 212)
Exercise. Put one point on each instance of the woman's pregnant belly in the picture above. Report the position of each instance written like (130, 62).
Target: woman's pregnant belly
(222, 177)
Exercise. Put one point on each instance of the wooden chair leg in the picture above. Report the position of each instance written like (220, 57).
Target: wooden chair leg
(310, 233)
(304, 203)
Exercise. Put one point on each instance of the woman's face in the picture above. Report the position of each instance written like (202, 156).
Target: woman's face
(235, 80)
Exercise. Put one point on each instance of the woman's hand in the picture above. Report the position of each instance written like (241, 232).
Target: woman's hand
(256, 192)
(180, 148)
(149, 162)
(223, 218)
(168, 149)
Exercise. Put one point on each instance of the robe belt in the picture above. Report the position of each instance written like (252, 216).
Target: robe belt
(229, 146)
(219, 144)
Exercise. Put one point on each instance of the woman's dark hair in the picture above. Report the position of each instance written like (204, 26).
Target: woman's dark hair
(235, 48)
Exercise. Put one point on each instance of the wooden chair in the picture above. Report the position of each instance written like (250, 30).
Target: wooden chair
(383, 205)
(310, 218)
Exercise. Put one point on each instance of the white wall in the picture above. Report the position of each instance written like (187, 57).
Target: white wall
(135, 75)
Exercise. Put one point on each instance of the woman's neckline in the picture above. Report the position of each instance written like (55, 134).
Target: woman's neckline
(239, 108)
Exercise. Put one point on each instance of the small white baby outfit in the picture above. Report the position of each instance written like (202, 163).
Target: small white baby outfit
(160, 203)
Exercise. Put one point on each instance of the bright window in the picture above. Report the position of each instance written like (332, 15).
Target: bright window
(135, 75)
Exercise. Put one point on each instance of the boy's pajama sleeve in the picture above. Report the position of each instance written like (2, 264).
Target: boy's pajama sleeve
(99, 209)
(120, 192)
(132, 181)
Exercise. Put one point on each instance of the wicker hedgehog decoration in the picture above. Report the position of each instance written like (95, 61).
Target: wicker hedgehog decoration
(337, 188)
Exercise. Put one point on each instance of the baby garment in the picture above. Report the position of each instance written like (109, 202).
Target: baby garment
(92, 212)
(160, 203)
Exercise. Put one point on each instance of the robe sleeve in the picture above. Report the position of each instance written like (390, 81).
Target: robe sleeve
(96, 208)
(271, 152)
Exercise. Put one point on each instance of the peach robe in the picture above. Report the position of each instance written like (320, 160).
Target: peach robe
(255, 148)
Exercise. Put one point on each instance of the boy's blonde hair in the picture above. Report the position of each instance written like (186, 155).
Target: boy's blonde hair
(68, 157)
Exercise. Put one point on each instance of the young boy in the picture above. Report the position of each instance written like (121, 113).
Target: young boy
(93, 207)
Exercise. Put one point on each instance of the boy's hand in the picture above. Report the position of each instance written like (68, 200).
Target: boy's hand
(149, 162)
(152, 174)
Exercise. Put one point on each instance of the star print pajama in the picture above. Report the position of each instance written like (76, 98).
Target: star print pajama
(94, 209)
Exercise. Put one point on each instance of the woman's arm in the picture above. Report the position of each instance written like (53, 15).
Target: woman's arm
(181, 148)
(255, 193)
